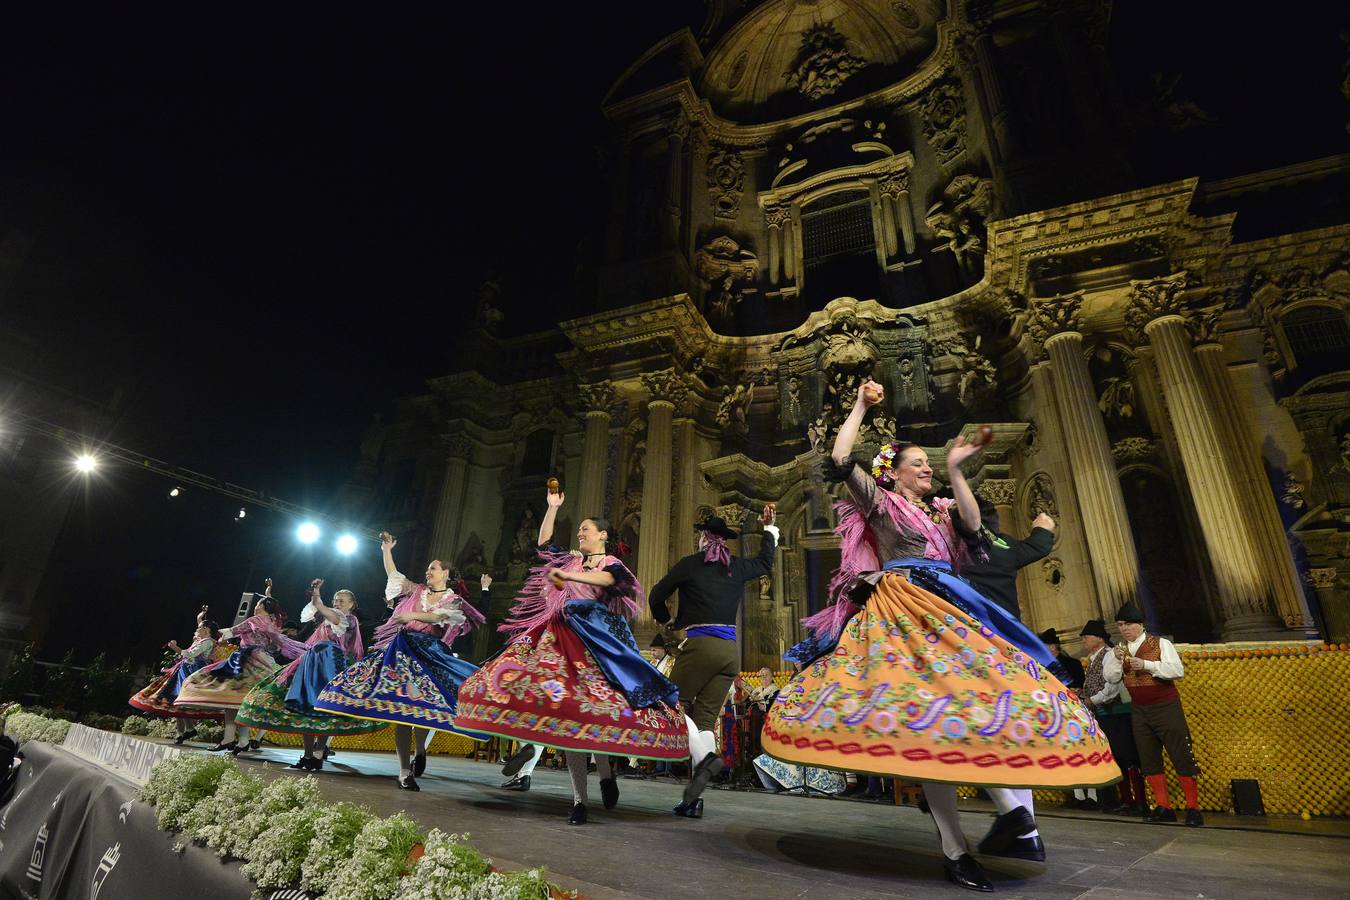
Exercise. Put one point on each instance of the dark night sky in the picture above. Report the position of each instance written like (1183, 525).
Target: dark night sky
(265, 225)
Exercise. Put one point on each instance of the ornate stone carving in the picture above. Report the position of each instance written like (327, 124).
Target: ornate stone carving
(733, 411)
(1133, 449)
(1053, 571)
(1152, 299)
(598, 397)
(734, 514)
(667, 385)
(893, 184)
(1054, 315)
(1116, 400)
(725, 170)
(637, 462)
(1041, 497)
(823, 62)
(724, 269)
(1270, 352)
(978, 374)
(909, 19)
(999, 491)
(792, 401)
(457, 446)
(1204, 325)
(959, 219)
(678, 126)
(1033, 439)
(1322, 579)
(776, 216)
(848, 343)
(1292, 493)
(943, 111)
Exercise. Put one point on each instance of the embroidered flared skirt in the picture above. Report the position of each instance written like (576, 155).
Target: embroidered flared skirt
(578, 683)
(225, 684)
(413, 681)
(919, 688)
(284, 701)
(157, 698)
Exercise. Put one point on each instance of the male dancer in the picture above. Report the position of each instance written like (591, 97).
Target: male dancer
(1014, 833)
(711, 583)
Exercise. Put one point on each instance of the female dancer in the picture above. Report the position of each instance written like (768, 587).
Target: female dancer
(224, 684)
(410, 677)
(913, 674)
(158, 696)
(572, 677)
(284, 701)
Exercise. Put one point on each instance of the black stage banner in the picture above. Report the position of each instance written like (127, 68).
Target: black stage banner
(76, 830)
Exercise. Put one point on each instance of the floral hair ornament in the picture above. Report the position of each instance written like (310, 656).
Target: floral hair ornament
(883, 464)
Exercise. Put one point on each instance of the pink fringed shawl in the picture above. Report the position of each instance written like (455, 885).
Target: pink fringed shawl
(264, 632)
(412, 602)
(858, 552)
(349, 641)
(540, 602)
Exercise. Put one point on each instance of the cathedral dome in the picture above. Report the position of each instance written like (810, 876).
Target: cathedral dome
(788, 57)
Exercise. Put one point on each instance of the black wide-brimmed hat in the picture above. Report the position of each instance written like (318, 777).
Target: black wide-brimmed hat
(658, 641)
(1049, 636)
(1130, 613)
(718, 526)
(1096, 628)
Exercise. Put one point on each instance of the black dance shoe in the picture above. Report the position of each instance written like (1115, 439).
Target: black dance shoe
(519, 783)
(327, 753)
(967, 873)
(609, 792)
(419, 764)
(187, 735)
(315, 764)
(254, 745)
(708, 768)
(407, 783)
(1194, 819)
(219, 747)
(1005, 832)
(1161, 815)
(690, 810)
(517, 760)
(301, 764)
(238, 749)
(1031, 849)
(578, 816)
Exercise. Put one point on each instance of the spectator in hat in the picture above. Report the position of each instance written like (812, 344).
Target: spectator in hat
(1148, 667)
(1050, 638)
(1110, 703)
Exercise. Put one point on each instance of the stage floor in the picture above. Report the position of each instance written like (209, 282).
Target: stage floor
(786, 846)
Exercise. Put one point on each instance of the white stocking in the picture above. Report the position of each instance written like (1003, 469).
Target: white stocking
(525, 770)
(403, 739)
(228, 736)
(1008, 799)
(942, 804)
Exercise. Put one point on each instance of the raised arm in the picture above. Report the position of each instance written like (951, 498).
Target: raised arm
(550, 514)
(966, 505)
(316, 602)
(762, 563)
(869, 394)
(387, 544)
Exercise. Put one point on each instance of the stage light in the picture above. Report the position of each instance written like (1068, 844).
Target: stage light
(85, 463)
(346, 545)
(307, 533)
(242, 512)
(175, 492)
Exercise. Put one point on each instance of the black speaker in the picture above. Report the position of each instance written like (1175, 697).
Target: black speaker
(1247, 797)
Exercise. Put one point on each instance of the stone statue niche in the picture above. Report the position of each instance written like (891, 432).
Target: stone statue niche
(1110, 369)
(472, 559)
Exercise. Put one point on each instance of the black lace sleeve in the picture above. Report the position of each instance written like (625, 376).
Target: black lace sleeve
(835, 473)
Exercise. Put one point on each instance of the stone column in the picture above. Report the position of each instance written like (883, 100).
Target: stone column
(685, 475)
(1264, 525)
(668, 391)
(1002, 493)
(1335, 612)
(894, 189)
(450, 507)
(1155, 310)
(775, 220)
(1106, 524)
(678, 131)
(597, 400)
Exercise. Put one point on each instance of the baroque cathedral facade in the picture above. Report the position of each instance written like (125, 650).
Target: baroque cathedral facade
(936, 195)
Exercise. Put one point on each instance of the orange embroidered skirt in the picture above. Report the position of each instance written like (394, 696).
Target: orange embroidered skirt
(918, 689)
